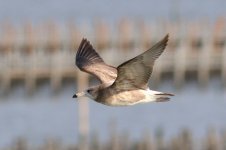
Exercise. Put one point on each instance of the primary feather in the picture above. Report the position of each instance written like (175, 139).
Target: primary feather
(88, 60)
(135, 73)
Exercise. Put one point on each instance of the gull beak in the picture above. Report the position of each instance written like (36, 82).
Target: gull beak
(78, 95)
(75, 96)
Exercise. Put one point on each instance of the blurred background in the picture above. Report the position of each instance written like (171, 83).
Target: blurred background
(38, 43)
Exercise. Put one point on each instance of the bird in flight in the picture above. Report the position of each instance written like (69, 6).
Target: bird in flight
(125, 85)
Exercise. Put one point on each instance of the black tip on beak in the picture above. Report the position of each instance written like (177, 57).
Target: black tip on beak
(75, 96)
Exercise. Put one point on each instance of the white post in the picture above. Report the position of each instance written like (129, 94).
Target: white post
(83, 112)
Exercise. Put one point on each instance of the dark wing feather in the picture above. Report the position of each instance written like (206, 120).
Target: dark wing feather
(88, 60)
(135, 73)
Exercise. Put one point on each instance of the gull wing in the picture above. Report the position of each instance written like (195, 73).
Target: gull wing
(135, 73)
(88, 60)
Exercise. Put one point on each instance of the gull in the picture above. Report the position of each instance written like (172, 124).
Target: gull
(125, 85)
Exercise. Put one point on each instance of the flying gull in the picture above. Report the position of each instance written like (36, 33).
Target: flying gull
(125, 85)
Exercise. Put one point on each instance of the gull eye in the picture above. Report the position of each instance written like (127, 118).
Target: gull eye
(88, 90)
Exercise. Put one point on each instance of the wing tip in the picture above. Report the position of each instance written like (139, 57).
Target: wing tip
(165, 94)
(84, 41)
(162, 43)
(165, 40)
(84, 44)
(86, 54)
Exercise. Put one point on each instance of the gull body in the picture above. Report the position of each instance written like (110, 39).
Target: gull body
(125, 85)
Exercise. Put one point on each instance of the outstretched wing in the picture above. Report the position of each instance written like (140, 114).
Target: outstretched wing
(88, 60)
(135, 73)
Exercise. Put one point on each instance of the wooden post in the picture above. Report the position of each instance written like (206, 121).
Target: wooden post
(30, 74)
(223, 140)
(180, 63)
(75, 36)
(125, 35)
(145, 142)
(114, 140)
(83, 112)
(160, 143)
(8, 38)
(125, 141)
(204, 60)
(102, 35)
(53, 41)
(6, 76)
(28, 47)
(7, 44)
(21, 144)
(223, 68)
(29, 39)
(145, 35)
(211, 141)
(56, 70)
(95, 143)
(219, 32)
(174, 143)
(185, 140)
(52, 144)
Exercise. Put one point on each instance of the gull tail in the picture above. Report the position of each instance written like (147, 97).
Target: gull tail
(163, 97)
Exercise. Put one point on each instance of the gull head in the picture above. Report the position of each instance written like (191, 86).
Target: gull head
(92, 93)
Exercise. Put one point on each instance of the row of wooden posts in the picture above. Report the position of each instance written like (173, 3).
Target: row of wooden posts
(31, 52)
(122, 141)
